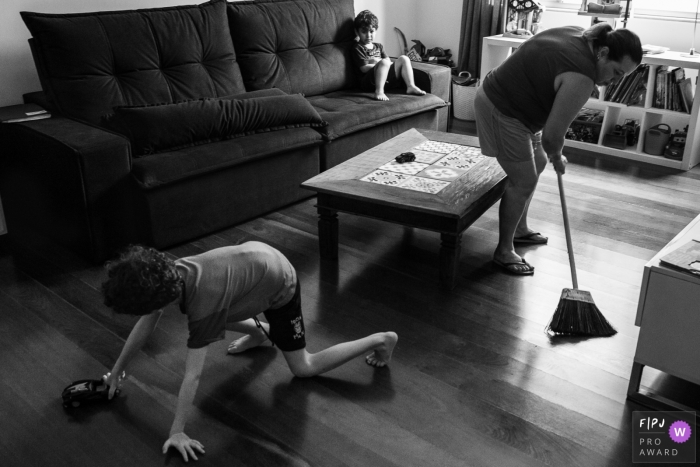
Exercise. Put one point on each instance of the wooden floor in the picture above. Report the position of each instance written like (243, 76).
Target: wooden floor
(474, 381)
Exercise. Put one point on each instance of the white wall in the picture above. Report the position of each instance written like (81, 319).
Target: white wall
(436, 23)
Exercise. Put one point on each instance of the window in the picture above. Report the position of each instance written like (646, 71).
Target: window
(678, 8)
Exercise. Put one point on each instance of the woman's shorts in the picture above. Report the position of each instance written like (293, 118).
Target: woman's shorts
(287, 324)
(505, 138)
(367, 83)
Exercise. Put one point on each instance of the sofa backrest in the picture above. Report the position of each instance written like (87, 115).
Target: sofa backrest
(89, 63)
(299, 46)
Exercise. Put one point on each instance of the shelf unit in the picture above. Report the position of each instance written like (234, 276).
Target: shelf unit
(496, 49)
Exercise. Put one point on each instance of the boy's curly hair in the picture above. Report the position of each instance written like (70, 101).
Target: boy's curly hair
(141, 281)
(366, 19)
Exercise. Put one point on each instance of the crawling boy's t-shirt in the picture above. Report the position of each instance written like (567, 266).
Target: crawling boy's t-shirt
(362, 55)
(232, 283)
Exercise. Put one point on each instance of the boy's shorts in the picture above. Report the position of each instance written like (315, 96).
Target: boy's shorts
(287, 324)
(505, 138)
(368, 84)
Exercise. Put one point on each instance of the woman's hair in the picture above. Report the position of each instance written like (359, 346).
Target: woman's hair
(141, 281)
(620, 42)
(366, 19)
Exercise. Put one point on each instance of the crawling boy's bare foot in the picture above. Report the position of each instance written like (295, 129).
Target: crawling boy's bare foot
(248, 341)
(380, 96)
(382, 355)
(415, 90)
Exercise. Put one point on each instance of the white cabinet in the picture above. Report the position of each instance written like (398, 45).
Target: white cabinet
(496, 49)
(669, 319)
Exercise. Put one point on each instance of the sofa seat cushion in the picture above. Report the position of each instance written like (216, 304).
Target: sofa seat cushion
(170, 167)
(160, 128)
(299, 46)
(89, 63)
(350, 111)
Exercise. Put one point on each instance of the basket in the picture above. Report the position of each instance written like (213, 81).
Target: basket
(463, 94)
(656, 139)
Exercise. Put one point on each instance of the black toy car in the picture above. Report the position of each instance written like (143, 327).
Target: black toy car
(675, 147)
(85, 390)
(405, 157)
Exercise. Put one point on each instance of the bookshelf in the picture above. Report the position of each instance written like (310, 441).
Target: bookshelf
(496, 49)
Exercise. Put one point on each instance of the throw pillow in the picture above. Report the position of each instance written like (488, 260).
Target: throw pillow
(163, 127)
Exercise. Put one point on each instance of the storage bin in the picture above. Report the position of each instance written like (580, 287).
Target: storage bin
(463, 94)
(656, 139)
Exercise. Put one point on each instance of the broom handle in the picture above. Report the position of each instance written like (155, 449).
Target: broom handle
(567, 230)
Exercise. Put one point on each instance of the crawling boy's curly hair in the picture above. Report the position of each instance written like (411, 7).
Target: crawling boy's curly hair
(141, 281)
(366, 19)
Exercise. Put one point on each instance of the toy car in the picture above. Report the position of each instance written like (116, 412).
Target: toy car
(86, 390)
(405, 157)
(675, 147)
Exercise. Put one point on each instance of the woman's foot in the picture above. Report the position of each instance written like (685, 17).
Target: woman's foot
(248, 341)
(415, 90)
(530, 237)
(382, 354)
(514, 264)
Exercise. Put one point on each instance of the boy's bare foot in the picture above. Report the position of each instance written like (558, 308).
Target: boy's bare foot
(415, 90)
(246, 342)
(380, 96)
(382, 355)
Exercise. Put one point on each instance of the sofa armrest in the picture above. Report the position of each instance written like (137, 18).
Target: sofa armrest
(65, 177)
(435, 79)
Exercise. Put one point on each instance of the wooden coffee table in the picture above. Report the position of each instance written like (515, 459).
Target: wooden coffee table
(450, 211)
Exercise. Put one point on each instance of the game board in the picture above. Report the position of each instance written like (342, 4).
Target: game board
(437, 164)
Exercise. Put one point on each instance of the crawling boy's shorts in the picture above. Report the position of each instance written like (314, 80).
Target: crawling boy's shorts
(368, 84)
(287, 324)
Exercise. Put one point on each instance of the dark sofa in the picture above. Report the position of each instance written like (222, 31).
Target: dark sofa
(91, 185)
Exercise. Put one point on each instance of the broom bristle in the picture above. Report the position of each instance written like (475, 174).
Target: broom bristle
(577, 315)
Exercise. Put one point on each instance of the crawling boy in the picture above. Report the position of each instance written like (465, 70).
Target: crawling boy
(378, 72)
(222, 289)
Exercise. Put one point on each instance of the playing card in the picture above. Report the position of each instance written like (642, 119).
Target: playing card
(410, 168)
(426, 157)
(458, 161)
(435, 146)
(467, 150)
(441, 173)
(384, 177)
(423, 184)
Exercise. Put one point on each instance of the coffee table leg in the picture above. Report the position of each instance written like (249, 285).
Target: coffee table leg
(450, 251)
(328, 233)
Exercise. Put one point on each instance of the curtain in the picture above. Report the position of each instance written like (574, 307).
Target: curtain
(480, 18)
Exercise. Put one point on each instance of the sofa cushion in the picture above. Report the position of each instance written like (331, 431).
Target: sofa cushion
(91, 62)
(166, 168)
(299, 46)
(350, 111)
(164, 127)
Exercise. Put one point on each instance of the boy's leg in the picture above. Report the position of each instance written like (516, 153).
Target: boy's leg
(304, 364)
(381, 71)
(254, 336)
(404, 70)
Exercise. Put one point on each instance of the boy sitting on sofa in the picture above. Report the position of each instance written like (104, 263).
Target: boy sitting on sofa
(222, 289)
(378, 72)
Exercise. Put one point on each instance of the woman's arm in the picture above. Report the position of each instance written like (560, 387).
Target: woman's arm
(178, 439)
(137, 338)
(573, 90)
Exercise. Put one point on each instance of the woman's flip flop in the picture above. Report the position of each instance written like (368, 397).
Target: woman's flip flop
(513, 269)
(534, 238)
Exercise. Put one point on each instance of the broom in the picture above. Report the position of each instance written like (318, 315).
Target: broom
(577, 314)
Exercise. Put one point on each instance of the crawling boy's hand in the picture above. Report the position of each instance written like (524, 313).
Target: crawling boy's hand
(184, 444)
(114, 383)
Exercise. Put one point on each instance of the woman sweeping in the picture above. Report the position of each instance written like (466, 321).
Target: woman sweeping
(525, 106)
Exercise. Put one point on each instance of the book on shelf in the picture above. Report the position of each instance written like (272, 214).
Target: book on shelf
(685, 89)
(22, 113)
(660, 88)
(634, 78)
(638, 95)
(686, 257)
